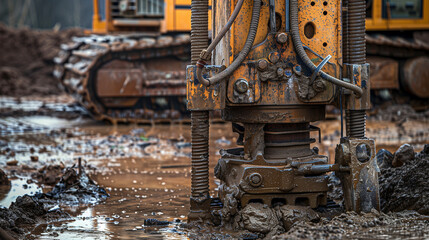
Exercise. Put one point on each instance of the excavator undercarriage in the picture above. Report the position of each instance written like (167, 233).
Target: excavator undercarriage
(127, 78)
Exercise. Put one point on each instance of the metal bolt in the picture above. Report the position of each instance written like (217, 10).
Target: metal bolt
(280, 72)
(262, 64)
(297, 70)
(282, 38)
(241, 85)
(288, 73)
(319, 85)
(255, 179)
(274, 57)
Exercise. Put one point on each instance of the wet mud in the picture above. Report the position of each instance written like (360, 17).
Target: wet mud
(146, 172)
(24, 215)
(350, 225)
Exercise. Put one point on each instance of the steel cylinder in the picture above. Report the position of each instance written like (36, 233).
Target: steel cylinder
(283, 140)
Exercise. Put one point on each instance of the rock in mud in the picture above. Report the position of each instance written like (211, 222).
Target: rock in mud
(404, 154)
(384, 158)
(12, 162)
(406, 187)
(291, 214)
(258, 217)
(155, 222)
(77, 188)
(3, 178)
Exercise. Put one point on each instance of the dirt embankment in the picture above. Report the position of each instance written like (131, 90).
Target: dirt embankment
(404, 180)
(26, 60)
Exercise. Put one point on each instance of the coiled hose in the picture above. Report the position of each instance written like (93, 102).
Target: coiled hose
(241, 56)
(303, 55)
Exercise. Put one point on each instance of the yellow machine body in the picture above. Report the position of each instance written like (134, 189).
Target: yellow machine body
(178, 14)
(323, 38)
(175, 17)
(381, 18)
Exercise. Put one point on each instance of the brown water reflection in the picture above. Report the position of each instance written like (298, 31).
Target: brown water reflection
(156, 185)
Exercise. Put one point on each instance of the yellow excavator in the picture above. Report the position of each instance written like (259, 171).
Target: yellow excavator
(397, 42)
(130, 67)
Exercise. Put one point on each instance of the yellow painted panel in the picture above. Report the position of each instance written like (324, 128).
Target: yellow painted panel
(182, 20)
(183, 2)
(169, 14)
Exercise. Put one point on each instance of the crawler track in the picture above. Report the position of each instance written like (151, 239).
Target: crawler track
(127, 78)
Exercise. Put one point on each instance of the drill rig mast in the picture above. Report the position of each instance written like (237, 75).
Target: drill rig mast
(271, 69)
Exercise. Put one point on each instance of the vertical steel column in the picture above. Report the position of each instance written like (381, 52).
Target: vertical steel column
(355, 53)
(200, 197)
(356, 31)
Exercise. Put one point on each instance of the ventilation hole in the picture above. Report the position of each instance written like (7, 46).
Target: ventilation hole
(325, 12)
(302, 201)
(325, 3)
(325, 44)
(309, 30)
(313, 3)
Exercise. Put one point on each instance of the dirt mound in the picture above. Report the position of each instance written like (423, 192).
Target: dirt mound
(24, 214)
(26, 60)
(75, 187)
(406, 187)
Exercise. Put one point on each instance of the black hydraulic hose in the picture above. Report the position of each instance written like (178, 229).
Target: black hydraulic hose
(241, 56)
(223, 31)
(303, 55)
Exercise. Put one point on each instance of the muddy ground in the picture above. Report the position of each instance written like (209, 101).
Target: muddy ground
(145, 169)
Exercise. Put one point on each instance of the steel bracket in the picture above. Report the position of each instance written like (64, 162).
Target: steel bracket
(200, 97)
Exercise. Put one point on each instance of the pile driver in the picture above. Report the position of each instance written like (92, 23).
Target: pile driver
(271, 68)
